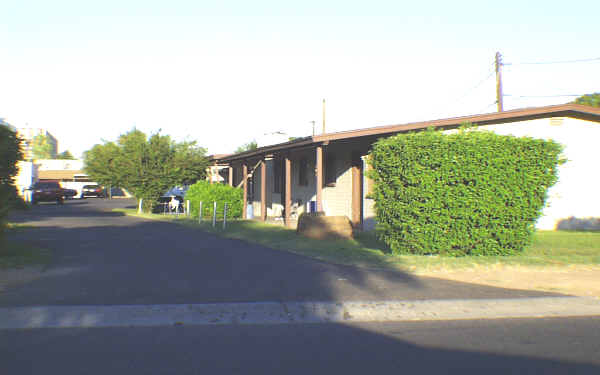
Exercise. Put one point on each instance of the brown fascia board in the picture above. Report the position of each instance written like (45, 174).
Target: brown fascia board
(262, 151)
(562, 110)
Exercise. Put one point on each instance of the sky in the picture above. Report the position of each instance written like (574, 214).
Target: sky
(224, 73)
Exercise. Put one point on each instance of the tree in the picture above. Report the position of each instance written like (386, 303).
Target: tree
(41, 147)
(592, 100)
(65, 155)
(246, 147)
(147, 167)
(10, 154)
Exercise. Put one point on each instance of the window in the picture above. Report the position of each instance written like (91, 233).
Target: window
(303, 172)
(330, 171)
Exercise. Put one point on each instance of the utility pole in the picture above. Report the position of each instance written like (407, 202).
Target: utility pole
(323, 116)
(499, 82)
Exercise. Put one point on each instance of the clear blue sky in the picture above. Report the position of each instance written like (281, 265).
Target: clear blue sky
(226, 72)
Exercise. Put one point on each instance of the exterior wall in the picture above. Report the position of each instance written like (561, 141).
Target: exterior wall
(369, 221)
(26, 177)
(573, 201)
(337, 200)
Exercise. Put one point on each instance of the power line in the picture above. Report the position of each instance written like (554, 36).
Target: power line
(490, 105)
(542, 96)
(468, 92)
(554, 62)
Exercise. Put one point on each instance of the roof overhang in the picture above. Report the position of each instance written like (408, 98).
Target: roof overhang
(563, 110)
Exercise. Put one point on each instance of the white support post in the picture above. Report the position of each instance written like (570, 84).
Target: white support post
(187, 207)
(140, 206)
(214, 214)
(225, 216)
(200, 213)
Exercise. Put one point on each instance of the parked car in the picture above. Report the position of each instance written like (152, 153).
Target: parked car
(69, 193)
(92, 191)
(48, 191)
(172, 200)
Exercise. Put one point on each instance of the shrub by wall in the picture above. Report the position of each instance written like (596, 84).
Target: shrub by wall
(467, 193)
(203, 191)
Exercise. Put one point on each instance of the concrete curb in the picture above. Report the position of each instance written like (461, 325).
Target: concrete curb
(293, 312)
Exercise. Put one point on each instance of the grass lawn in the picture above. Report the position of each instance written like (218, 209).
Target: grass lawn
(14, 254)
(548, 249)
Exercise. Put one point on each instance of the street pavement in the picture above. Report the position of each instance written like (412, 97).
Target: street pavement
(528, 346)
(136, 296)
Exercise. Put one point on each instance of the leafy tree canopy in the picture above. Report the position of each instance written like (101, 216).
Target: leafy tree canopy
(592, 100)
(146, 166)
(10, 154)
(65, 155)
(41, 147)
(246, 147)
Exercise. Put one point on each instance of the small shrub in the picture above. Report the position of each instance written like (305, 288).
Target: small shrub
(469, 193)
(203, 191)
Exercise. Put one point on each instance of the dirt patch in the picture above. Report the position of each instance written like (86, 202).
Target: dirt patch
(574, 280)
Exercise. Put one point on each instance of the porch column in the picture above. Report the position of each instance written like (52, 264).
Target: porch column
(230, 175)
(319, 173)
(263, 190)
(288, 189)
(245, 188)
(356, 191)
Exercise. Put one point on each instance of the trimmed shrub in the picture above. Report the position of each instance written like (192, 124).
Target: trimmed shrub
(203, 191)
(467, 193)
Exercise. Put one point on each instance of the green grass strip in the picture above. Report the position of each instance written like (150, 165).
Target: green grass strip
(549, 249)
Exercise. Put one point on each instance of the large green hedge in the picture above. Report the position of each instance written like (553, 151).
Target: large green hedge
(466, 193)
(10, 154)
(203, 191)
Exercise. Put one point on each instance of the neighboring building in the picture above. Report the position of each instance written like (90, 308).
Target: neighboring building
(25, 178)
(61, 170)
(28, 134)
(326, 172)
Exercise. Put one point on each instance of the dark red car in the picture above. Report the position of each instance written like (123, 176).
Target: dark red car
(48, 191)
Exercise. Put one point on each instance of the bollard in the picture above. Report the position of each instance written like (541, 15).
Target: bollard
(225, 216)
(140, 206)
(200, 213)
(187, 207)
(214, 214)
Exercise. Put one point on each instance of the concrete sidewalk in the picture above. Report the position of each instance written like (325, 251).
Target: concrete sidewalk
(269, 313)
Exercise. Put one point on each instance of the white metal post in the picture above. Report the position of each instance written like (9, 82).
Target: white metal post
(225, 216)
(200, 213)
(140, 206)
(187, 207)
(214, 214)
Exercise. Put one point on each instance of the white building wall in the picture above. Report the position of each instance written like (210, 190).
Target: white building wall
(573, 202)
(26, 176)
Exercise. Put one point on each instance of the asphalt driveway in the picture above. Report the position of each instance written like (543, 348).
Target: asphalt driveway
(104, 258)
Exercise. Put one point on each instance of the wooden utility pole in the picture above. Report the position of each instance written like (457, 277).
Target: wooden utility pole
(499, 82)
(323, 116)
